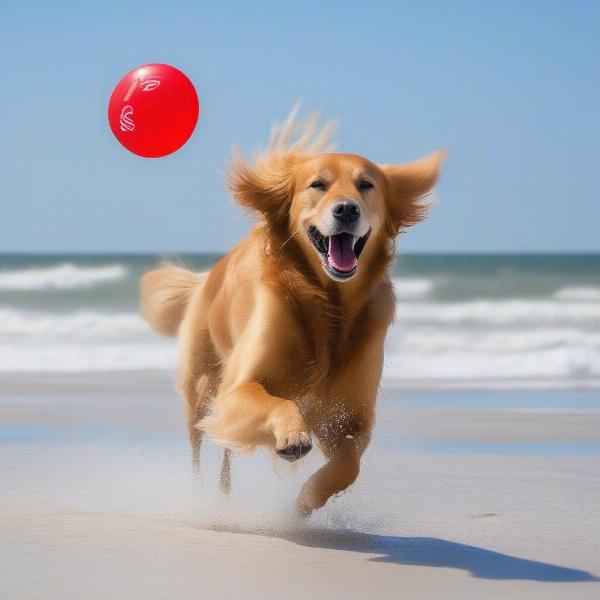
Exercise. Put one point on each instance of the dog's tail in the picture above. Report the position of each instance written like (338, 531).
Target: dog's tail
(165, 294)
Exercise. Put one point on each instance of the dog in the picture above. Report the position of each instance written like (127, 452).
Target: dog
(283, 339)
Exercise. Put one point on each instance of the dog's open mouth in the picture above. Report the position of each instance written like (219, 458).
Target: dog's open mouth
(340, 252)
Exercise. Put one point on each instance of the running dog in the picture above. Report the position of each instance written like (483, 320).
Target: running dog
(282, 340)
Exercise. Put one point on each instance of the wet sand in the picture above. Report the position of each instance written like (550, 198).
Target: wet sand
(461, 496)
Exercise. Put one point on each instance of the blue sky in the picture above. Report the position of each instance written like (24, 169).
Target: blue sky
(513, 88)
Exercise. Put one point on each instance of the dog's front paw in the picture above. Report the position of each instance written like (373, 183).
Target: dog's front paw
(295, 445)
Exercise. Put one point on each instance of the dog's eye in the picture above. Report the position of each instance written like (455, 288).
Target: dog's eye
(317, 185)
(365, 185)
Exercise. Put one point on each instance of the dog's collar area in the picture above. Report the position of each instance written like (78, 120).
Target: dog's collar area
(323, 244)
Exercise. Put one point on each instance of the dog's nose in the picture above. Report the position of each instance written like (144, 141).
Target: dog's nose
(346, 211)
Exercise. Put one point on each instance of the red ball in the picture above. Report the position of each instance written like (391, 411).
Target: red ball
(153, 110)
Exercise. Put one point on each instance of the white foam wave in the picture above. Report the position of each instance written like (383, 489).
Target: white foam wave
(61, 277)
(494, 356)
(84, 324)
(509, 342)
(408, 289)
(81, 341)
(574, 365)
(74, 358)
(499, 312)
(499, 341)
(579, 294)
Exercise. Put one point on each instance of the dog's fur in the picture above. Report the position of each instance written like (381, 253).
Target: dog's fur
(274, 346)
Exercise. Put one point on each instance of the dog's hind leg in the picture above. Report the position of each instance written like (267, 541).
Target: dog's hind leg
(225, 476)
(196, 401)
(195, 386)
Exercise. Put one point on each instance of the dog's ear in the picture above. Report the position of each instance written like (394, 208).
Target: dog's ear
(408, 186)
(266, 186)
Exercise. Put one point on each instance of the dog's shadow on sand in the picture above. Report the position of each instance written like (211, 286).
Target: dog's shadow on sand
(426, 552)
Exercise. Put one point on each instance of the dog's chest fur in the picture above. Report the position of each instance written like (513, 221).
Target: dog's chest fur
(332, 330)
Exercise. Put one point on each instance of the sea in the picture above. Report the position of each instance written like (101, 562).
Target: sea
(462, 321)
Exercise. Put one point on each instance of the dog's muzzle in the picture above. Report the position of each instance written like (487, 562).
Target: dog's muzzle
(340, 252)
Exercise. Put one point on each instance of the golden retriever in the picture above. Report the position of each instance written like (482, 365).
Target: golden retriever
(282, 340)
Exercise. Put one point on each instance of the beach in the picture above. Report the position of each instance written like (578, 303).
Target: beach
(326, 171)
(482, 480)
(461, 495)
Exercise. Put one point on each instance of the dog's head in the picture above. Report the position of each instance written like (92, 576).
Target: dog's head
(337, 207)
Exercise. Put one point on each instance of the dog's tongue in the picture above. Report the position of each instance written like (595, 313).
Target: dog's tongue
(341, 252)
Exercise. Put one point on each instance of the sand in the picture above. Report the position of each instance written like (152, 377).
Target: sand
(461, 496)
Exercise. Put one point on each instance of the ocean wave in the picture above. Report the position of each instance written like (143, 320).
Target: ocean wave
(498, 312)
(499, 341)
(84, 324)
(579, 294)
(66, 276)
(75, 358)
(572, 365)
(509, 342)
(551, 368)
(409, 289)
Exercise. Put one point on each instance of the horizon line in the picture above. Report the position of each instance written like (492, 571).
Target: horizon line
(220, 253)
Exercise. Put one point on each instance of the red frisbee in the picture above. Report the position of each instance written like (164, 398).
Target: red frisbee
(153, 110)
